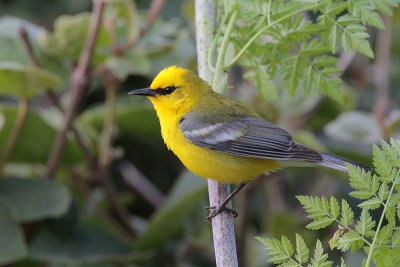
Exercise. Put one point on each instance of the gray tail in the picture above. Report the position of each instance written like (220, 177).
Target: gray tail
(338, 163)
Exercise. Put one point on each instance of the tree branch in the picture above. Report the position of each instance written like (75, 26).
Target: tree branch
(141, 185)
(52, 97)
(78, 81)
(222, 224)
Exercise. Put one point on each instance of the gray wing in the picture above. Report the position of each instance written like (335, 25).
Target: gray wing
(248, 136)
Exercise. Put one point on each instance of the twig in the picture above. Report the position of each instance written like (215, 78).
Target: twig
(78, 82)
(222, 224)
(27, 44)
(154, 10)
(381, 76)
(111, 26)
(141, 184)
(52, 97)
(19, 122)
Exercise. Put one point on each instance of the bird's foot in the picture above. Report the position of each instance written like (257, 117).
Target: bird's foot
(217, 210)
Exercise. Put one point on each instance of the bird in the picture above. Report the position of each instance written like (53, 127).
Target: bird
(222, 139)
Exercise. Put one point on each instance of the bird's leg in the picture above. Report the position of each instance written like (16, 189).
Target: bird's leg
(222, 207)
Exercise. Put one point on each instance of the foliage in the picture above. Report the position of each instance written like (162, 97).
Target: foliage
(53, 221)
(299, 40)
(379, 239)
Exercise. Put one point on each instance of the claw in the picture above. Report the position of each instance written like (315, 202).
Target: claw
(218, 210)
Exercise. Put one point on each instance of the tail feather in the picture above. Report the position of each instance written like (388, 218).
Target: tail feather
(338, 163)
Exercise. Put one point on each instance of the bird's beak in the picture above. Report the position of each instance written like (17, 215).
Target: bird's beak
(143, 91)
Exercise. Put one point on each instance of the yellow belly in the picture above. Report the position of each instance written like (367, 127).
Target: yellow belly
(213, 164)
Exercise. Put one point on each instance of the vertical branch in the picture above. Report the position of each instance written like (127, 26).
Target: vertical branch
(222, 224)
(382, 71)
(79, 80)
(19, 122)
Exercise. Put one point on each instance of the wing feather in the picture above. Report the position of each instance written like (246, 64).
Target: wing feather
(247, 136)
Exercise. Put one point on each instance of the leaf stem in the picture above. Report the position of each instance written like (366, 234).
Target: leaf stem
(257, 34)
(215, 40)
(378, 228)
(221, 54)
(15, 132)
(352, 230)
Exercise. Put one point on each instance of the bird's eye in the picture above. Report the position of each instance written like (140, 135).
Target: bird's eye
(169, 89)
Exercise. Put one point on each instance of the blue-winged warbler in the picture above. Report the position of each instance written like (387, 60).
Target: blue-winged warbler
(219, 138)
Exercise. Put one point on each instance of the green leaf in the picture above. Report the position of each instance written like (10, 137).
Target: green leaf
(350, 240)
(13, 247)
(68, 39)
(314, 47)
(11, 47)
(334, 207)
(384, 256)
(382, 7)
(301, 250)
(382, 165)
(370, 204)
(396, 239)
(320, 258)
(324, 60)
(315, 206)
(383, 191)
(308, 80)
(318, 209)
(265, 84)
(287, 246)
(279, 251)
(126, 16)
(293, 67)
(320, 223)
(347, 214)
(133, 117)
(362, 180)
(365, 224)
(134, 63)
(390, 152)
(365, 10)
(34, 128)
(169, 219)
(25, 81)
(87, 242)
(34, 199)
(334, 37)
(385, 233)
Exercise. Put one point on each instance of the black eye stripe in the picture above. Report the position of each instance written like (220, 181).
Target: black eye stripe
(165, 91)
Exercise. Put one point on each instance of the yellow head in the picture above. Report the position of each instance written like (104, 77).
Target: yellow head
(175, 90)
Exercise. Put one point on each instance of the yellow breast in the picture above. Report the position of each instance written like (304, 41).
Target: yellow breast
(212, 164)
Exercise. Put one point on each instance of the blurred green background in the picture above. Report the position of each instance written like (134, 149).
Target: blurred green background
(147, 210)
